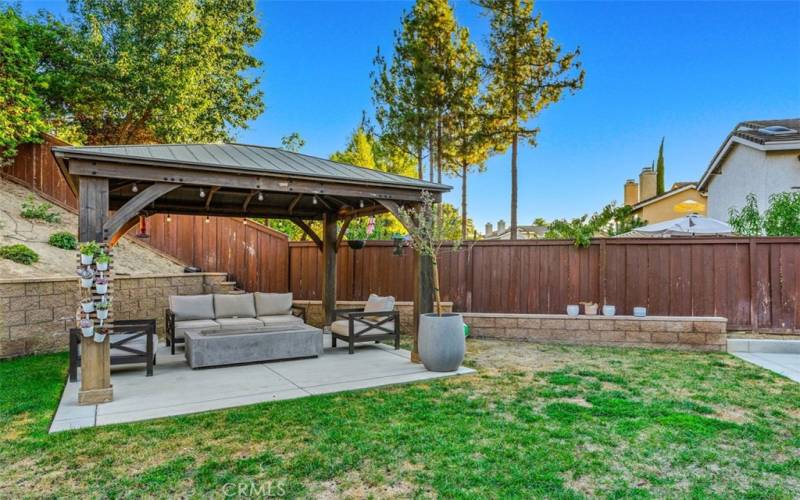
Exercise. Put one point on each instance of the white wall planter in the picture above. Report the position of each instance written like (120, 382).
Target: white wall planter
(86, 259)
(102, 289)
(87, 307)
(86, 282)
(99, 337)
(102, 314)
(87, 332)
(102, 266)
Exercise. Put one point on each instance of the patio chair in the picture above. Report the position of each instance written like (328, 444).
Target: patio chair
(376, 321)
(133, 341)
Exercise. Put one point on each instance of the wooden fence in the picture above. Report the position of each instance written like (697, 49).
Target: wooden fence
(35, 168)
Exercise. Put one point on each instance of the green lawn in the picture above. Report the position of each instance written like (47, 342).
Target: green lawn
(536, 421)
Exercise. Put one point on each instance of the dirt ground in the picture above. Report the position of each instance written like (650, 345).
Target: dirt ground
(130, 257)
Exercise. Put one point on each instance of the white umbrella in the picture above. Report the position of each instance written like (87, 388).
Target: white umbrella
(689, 225)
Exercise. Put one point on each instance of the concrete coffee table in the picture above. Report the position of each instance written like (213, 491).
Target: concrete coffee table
(251, 345)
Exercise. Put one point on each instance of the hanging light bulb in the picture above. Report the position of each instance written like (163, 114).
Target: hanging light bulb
(244, 221)
(169, 218)
(260, 196)
(314, 200)
(360, 203)
(202, 193)
(135, 188)
(208, 219)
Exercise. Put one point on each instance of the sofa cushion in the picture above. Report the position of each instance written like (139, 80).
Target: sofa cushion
(269, 304)
(190, 307)
(225, 323)
(198, 324)
(277, 319)
(234, 306)
(341, 327)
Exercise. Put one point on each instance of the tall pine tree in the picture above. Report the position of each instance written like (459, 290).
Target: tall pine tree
(528, 72)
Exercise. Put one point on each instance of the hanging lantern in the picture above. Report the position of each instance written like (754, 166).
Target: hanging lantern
(398, 240)
(142, 228)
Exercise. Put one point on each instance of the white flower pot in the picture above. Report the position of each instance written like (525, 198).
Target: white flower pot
(99, 337)
(609, 310)
(102, 266)
(573, 310)
(87, 307)
(639, 312)
(101, 289)
(87, 332)
(87, 282)
(102, 313)
(87, 259)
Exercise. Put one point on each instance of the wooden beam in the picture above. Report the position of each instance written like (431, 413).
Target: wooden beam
(135, 205)
(294, 202)
(248, 199)
(213, 177)
(329, 267)
(342, 232)
(210, 195)
(121, 232)
(308, 231)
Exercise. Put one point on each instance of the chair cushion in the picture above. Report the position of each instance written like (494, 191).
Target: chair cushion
(270, 304)
(376, 303)
(280, 318)
(238, 322)
(190, 307)
(234, 305)
(341, 327)
(198, 324)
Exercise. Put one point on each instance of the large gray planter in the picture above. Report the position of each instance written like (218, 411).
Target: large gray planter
(441, 341)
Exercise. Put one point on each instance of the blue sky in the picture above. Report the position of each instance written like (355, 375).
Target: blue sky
(688, 71)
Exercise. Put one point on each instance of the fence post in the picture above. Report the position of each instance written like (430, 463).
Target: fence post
(753, 286)
(603, 271)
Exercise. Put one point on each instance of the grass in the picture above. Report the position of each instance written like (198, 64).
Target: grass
(537, 421)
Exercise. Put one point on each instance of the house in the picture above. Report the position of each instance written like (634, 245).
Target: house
(504, 233)
(759, 157)
(682, 198)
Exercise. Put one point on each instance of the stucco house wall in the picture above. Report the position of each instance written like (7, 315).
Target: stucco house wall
(748, 170)
(664, 209)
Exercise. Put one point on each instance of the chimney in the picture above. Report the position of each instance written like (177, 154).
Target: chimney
(488, 229)
(647, 183)
(631, 192)
(501, 226)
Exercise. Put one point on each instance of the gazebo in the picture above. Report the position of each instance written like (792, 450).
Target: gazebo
(117, 184)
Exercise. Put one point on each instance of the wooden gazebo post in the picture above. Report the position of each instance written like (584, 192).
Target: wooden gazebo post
(95, 357)
(329, 244)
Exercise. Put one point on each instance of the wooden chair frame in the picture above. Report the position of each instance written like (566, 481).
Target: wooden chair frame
(376, 330)
(134, 328)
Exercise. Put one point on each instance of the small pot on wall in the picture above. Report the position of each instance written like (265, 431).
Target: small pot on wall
(609, 310)
(87, 305)
(589, 308)
(573, 310)
(441, 341)
(102, 314)
(87, 259)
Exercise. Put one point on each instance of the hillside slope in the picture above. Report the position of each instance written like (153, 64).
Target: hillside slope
(130, 257)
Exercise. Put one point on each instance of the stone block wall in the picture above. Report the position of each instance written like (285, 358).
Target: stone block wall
(36, 314)
(664, 332)
(406, 309)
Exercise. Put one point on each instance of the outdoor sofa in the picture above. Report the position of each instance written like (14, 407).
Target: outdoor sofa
(228, 311)
(376, 321)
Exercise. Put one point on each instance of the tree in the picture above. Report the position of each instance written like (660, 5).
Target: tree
(21, 107)
(527, 72)
(293, 142)
(660, 169)
(782, 218)
(747, 221)
(136, 71)
(610, 221)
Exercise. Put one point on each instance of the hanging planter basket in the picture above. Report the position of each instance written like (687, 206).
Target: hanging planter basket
(356, 244)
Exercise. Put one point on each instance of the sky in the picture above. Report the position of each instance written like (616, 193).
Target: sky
(685, 71)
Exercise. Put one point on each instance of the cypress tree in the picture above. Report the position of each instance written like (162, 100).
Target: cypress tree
(660, 169)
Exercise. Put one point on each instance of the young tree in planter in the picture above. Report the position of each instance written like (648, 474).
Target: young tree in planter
(528, 72)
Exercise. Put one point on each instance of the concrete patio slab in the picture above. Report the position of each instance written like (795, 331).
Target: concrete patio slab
(787, 365)
(175, 389)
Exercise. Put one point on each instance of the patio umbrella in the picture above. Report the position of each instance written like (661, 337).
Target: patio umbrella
(689, 225)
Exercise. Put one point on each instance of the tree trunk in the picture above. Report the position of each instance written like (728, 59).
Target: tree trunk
(464, 201)
(437, 297)
(514, 187)
(431, 157)
(419, 163)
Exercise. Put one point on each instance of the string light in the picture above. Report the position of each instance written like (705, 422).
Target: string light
(314, 200)
(360, 203)
(169, 218)
(244, 221)
(135, 188)
(260, 196)
(208, 219)
(202, 193)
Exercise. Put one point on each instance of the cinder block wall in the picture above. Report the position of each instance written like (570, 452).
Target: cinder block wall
(664, 332)
(406, 309)
(35, 314)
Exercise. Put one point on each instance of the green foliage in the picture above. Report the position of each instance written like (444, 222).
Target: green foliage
(782, 218)
(364, 149)
(90, 248)
(63, 239)
(103, 258)
(293, 142)
(527, 73)
(19, 253)
(135, 71)
(21, 107)
(38, 211)
(610, 221)
(660, 188)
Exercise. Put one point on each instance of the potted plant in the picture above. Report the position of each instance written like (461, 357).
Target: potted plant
(101, 285)
(573, 310)
(87, 305)
(609, 310)
(87, 276)
(88, 251)
(589, 308)
(356, 236)
(101, 334)
(102, 261)
(441, 335)
(102, 309)
(87, 327)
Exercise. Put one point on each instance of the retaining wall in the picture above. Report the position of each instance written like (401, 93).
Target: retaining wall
(406, 309)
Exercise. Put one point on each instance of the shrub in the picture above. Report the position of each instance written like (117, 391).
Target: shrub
(63, 239)
(19, 253)
(39, 211)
